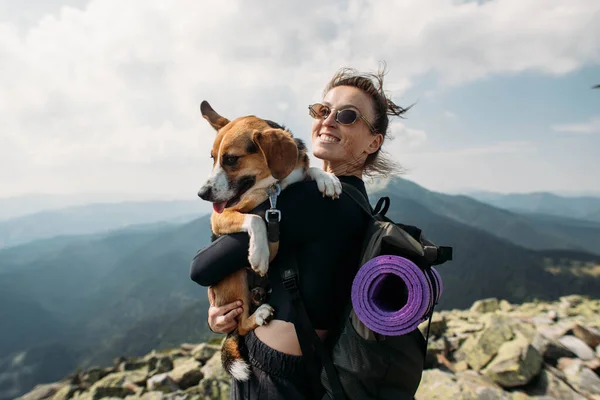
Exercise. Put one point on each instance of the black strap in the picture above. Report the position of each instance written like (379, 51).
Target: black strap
(382, 206)
(358, 198)
(310, 342)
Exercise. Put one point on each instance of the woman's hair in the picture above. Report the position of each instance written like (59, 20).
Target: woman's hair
(377, 163)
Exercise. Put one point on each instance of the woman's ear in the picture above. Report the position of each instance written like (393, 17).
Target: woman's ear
(375, 143)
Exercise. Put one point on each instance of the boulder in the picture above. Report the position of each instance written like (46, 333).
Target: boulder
(162, 383)
(485, 306)
(468, 385)
(204, 352)
(588, 336)
(118, 384)
(216, 383)
(548, 385)
(40, 392)
(479, 349)
(438, 385)
(505, 306)
(66, 392)
(186, 374)
(577, 346)
(582, 378)
(516, 364)
(551, 350)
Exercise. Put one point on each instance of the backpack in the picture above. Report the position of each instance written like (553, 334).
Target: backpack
(358, 362)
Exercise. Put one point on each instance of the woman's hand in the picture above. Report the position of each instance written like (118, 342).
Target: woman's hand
(222, 319)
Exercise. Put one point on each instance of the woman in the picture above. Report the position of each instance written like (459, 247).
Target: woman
(324, 235)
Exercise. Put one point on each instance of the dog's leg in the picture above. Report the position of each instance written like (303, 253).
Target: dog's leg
(233, 221)
(261, 316)
(328, 183)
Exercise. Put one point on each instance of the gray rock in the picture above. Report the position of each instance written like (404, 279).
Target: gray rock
(577, 346)
(549, 385)
(162, 383)
(582, 378)
(204, 352)
(485, 305)
(588, 336)
(551, 350)
(479, 349)
(516, 364)
(187, 374)
(40, 392)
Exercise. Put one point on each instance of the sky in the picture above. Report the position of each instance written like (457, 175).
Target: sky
(103, 95)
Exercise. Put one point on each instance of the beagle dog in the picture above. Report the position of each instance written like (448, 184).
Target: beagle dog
(250, 156)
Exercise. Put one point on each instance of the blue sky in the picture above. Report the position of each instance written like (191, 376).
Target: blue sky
(103, 96)
(545, 131)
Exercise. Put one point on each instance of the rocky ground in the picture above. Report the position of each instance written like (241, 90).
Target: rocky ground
(499, 351)
(493, 351)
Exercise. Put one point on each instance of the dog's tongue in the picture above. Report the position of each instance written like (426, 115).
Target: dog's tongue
(219, 207)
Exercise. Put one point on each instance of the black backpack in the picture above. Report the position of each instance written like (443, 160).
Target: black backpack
(359, 363)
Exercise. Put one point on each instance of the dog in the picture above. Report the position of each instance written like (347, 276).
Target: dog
(250, 155)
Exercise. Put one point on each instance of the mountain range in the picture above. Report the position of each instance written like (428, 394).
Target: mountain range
(95, 218)
(126, 291)
(581, 207)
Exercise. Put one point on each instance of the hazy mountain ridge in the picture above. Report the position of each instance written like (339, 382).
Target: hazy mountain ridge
(581, 207)
(530, 231)
(96, 218)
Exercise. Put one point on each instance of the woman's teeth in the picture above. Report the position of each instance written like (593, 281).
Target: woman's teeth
(328, 139)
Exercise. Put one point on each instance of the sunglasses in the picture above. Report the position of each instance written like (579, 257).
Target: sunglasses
(346, 116)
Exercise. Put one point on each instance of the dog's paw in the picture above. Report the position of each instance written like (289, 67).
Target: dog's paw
(259, 259)
(264, 314)
(258, 251)
(328, 183)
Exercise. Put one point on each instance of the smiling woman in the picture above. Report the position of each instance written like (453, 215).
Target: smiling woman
(321, 236)
(349, 100)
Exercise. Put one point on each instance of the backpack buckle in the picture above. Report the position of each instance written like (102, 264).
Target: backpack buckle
(288, 277)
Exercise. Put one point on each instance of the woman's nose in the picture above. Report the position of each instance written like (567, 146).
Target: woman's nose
(330, 119)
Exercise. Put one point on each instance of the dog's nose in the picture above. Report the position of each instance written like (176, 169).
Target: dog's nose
(205, 193)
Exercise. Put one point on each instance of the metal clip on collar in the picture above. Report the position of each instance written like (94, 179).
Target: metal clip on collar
(273, 191)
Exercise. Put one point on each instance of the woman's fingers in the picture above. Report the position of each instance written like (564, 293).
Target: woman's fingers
(222, 319)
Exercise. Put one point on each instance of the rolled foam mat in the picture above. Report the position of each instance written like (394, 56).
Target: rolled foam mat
(391, 295)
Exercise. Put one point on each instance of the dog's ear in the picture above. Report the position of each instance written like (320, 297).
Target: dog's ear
(280, 151)
(213, 118)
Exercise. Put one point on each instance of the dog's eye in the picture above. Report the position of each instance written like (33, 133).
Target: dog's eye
(229, 160)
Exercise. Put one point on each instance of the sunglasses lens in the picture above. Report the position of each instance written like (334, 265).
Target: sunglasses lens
(319, 111)
(347, 117)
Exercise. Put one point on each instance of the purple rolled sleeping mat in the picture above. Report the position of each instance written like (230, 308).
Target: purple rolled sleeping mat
(391, 295)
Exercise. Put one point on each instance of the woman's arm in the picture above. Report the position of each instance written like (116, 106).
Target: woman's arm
(224, 256)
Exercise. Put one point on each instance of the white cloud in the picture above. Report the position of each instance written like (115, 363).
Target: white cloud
(591, 126)
(450, 115)
(405, 139)
(117, 85)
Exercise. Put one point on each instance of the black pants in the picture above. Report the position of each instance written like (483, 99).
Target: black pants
(275, 375)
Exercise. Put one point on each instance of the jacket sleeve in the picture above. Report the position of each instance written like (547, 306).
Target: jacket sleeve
(219, 259)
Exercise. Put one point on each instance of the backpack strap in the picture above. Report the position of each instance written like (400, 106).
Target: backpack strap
(358, 198)
(310, 342)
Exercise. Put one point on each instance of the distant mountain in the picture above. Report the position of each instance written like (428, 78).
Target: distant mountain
(530, 231)
(581, 207)
(128, 291)
(18, 206)
(94, 218)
